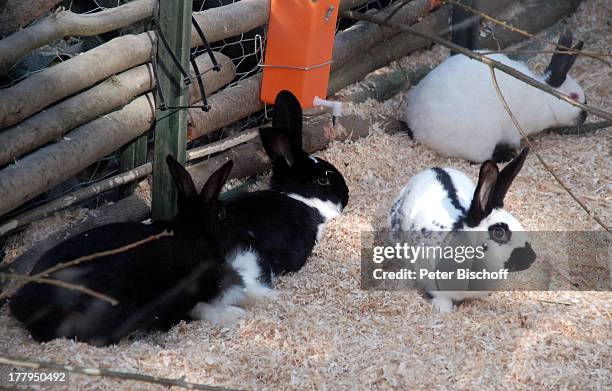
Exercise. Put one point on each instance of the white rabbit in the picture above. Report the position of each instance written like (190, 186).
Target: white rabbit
(456, 111)
(440, 202)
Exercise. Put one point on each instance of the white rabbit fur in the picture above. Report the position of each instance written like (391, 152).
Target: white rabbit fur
(455, 109)
(437, 201)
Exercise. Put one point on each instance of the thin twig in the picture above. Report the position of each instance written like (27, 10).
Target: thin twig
(535, 151)
(554, 302)
(222, 145)
(519, 51)
(90, 257)
(510, 27)
(42, 276)
(476, 56)
(21, 362)
(50, 281)
(581, 129)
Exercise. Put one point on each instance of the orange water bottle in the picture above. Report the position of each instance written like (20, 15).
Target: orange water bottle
(299, 49)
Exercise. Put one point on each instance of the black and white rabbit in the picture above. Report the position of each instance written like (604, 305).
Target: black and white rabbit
(276, 229)
(455, 109)
(156, 284)
(442, 201)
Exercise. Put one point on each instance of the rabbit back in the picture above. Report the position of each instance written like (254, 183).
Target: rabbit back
(155, 285)
(456, 111)
(432, 200)
(281, 229)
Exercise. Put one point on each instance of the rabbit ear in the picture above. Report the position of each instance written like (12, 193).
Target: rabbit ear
(505, 178)
(182, 179)
(561, 63)
(288, 116)
(278, 146)
(211, 190)
(480, 206)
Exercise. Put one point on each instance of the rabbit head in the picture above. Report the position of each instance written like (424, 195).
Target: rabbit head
(557, 76)
(201, 211)
(294, 170)
(501, 234)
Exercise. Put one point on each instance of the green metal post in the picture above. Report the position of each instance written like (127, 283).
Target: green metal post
(134, 154)
(171, 125)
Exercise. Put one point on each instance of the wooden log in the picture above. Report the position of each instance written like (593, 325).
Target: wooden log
(55, 163)
(348, 4)
(15, 14)
(532, 16)
(230, 20)
(118, 90)
(115, 56)
(53, 84)
(227, 107)
(250, 158)
(66, 23)
(136, 116)
(400, 45)
(80, 195)
(363, 35)
(385, 84)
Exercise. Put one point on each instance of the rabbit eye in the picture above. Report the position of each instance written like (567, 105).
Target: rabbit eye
(323, 181)
(500, 233)
(221, 214)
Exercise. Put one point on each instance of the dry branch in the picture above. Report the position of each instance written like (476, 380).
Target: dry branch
(44, 88)
(22, 362)
(66, 23)
(118, 90)
(537, 154)
(584, 128)
(21, 280)
(43, 277)
(53, 164)
(522, 26)
(15, 14)
(222, 145)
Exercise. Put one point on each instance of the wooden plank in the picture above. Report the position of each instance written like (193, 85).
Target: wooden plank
(171, 126)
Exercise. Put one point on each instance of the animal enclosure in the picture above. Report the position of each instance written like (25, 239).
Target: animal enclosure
(77, 130)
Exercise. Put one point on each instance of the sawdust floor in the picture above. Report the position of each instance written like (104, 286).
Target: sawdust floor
(324, 332)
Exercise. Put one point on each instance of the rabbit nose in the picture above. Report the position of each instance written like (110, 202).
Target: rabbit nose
(520, 258)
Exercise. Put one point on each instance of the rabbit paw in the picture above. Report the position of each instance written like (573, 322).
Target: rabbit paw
(217, 314)
(256, 293)
(442, 304)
